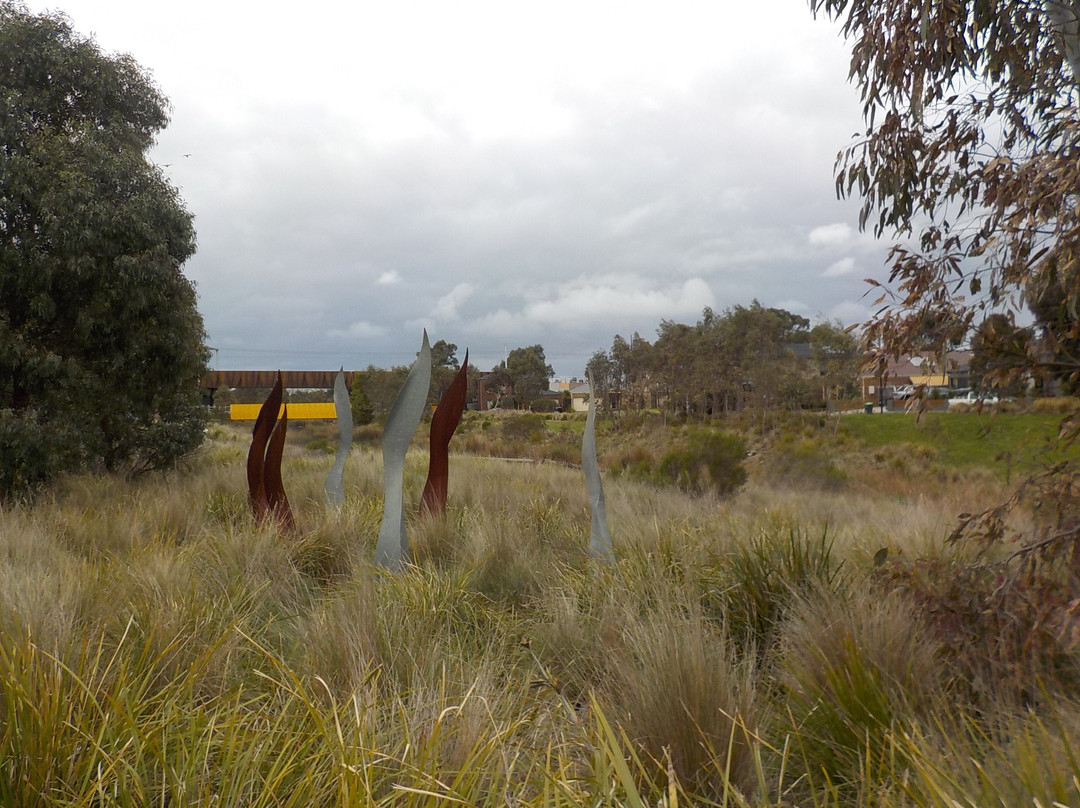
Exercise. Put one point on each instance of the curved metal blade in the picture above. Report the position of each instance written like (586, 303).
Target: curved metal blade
(443, 424)
(277, 502)
(256, 460)
(392, 549)
(335, 480)
(600, 537)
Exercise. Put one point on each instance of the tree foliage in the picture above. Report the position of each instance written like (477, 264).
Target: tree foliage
(101, 343)
(741, 357)
(522, 377)
(970, 159)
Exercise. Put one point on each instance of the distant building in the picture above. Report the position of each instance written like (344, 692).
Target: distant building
(917, 371)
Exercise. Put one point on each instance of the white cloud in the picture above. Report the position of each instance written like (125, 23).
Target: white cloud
(845, 266)
(849, 312)
(389, 278)
(620, 297)
(794, 306)
(832, 235)
(501, 324)
(446, 309)
(361, 329)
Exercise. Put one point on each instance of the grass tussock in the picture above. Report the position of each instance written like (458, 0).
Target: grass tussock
(752, 649)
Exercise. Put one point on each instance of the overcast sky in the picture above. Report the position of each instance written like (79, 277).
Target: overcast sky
(502, 173)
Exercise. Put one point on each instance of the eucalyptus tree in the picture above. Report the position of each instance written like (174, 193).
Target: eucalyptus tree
(969, 159)
(836, 358)
(528, 372)
(101, 342)
(600, 373)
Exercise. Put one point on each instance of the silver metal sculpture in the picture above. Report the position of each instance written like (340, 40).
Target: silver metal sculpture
(335, 480)
(392, 549)
(600, 538)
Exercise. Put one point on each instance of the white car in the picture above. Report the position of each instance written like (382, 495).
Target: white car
(974, 398)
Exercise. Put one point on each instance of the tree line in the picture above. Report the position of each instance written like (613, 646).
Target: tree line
(517, 382)
(744, 357)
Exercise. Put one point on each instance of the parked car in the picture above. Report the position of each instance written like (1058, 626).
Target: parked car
(975, 398)
(903, 392)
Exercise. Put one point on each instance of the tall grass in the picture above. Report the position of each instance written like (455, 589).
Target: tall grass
(157, 647)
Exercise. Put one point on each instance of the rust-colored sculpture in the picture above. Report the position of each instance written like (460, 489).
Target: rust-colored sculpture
(443, 424)
(266, 493)
(276, 500)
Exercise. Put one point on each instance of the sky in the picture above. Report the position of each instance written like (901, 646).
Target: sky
(500, 173)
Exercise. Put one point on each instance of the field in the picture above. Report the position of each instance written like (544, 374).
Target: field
(811, 639)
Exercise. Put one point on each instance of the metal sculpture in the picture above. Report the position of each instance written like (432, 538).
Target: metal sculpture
(335, 480)
(276, 500)
(600, 537)
(392, 548)
(443, 424)
(256, 459)
(266, 493)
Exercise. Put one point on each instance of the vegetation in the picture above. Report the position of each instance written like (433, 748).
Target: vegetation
(522, 377)
(741, 358)
(972, 134)
(1006, 441)
(768, 648)
(101, 344)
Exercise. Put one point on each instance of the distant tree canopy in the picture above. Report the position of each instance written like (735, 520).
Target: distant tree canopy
(742, 357)
(522, 377)
(101, 343)
(970, 158)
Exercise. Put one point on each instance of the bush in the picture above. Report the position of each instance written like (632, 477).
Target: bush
(522, 427)
(805, 463)
(31, 452)
(709, 461)
(1061, 405)
(856, 669)
(752, 587)
(363, 411)
(544, 405)
(1006, 639)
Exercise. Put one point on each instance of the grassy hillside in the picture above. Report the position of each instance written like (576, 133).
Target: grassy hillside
(989, 440)
(156, 647)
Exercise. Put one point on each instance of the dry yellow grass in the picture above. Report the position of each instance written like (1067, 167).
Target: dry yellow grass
(211, 660)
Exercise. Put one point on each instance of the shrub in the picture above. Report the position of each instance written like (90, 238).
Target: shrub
(805, 463)
(688, 700)
(856, 669)
(523, 427)
(709, 461)
(752, 587)
(1007, 637)
(363, 411)
(1061, 405)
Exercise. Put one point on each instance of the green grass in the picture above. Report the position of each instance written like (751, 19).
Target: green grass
(1002, 441)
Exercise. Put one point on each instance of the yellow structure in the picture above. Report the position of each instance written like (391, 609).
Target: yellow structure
(297, 412)
(939, 380)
